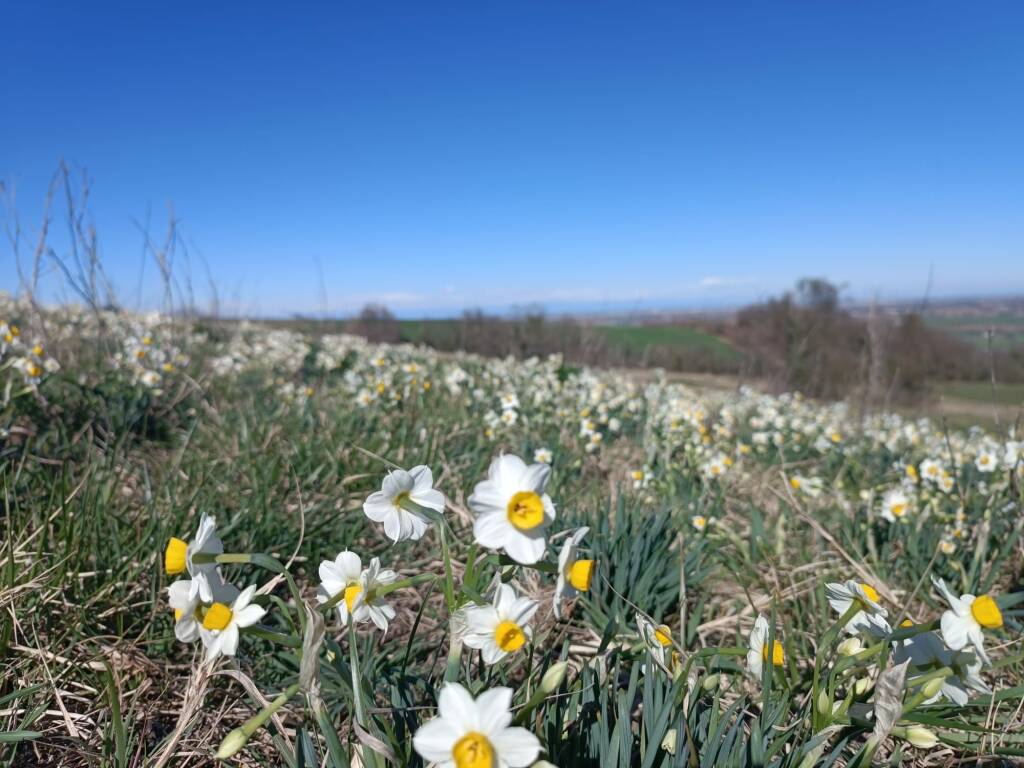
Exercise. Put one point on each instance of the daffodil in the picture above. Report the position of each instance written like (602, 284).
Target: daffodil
(895, 504)
(512, 509)
(346, 576)
(501, 628)
(475, 733)
(389, 505)
(658, 640)
(180, 556)
(927, 651)
(871, 615)
(574, 574)
(967, 616)
(222, 624)
(758, 651)
(543, 456)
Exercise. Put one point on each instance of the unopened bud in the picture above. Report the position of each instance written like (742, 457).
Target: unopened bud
(669, 742)
(932, 687)
(711, 682)
(233, 742)
(553, 677)
(862, 684)
(824, 702)
(850, 646)
(921, 737)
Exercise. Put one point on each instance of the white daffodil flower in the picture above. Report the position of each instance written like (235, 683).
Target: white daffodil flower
(895, 504)
(927, 650)
(346, 575)
(512, 509)
(386, 505)
(221, 624)
(658, 640)
(965, 619)
(475, 733)
(871, 616)
(574, 575)
(758, 652)
(184, 600)
(501, 628)
(179, 557)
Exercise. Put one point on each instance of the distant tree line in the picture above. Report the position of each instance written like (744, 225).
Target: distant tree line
(803, 340)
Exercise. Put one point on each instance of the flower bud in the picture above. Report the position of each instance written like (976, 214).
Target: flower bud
(850, 646)
(932, 687)
(711, 682)
(824, 702)
(553, 677)
(921, 737)
(233, 742)
(669, 742)
(862, 684)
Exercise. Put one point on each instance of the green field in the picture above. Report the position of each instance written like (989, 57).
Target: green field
(981, 391)
(683, 338)
(1008, 329)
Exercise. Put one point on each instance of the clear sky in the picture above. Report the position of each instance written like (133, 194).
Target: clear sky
(438, 155)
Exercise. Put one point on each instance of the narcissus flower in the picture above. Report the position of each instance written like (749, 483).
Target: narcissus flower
(871, 616)
(184, 598)
(388, 505)
(759, 652)
(926, 651)
(658, 639)
(222, 624)
(512, 509)
(501, 628)
(346, 575)
(475, 733)
(965, 619)
(179, 557)
(895, 505)
(574, 574)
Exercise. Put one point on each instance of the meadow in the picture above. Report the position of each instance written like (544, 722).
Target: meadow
(269, 546)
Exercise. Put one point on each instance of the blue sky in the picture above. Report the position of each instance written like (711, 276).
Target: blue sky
(578, 154)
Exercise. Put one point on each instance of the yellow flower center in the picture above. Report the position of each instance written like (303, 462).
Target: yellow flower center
(401, 499)
(509, 636)
(525, 510)
(473, 751)
(906, 623)
(983, 460)
(178, 613)
(986, 612)
(217, 616)
(898, 510)
(581, 573)
(778, 654)
(870, 592)
(174, 556)
(663, 635)
(351, 593)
